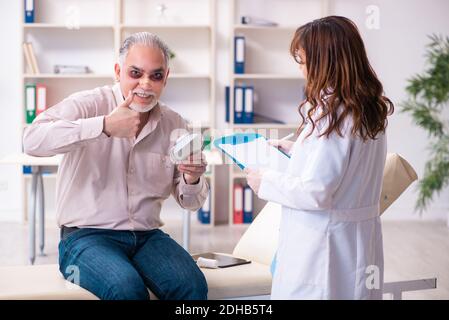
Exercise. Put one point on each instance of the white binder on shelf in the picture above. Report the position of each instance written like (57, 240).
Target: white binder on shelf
(248, 112)
(238, 104)
(41, 98)
(247, 205)
(239, 55)
(29, 11)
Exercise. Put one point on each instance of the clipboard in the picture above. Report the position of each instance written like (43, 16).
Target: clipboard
(251, 150)
(224, 261)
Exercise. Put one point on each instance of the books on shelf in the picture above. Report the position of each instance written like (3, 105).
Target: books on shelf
(71, 69)
(35, 100)
(30, 58)
(243, 206)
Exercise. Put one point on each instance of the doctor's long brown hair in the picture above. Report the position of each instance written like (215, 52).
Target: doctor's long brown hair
(339, 73)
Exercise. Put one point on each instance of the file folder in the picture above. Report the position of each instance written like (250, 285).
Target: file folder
(238, 203)
(29, 11)
(41, 98)
(224, 261)
(247, 205)
(248, 105)
(205, 211)
(238, 104)
(253, 151)
(30, 102)
(239, 54)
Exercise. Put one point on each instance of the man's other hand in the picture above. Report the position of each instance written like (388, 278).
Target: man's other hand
(193, 168)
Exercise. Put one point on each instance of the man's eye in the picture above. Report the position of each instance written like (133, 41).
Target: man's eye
(157, 76)
(135, 74)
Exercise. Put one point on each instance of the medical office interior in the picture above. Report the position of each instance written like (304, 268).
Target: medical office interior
(72, 45)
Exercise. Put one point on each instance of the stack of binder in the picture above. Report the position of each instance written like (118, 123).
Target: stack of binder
(243, 204)
(243, 104)
(35, 100)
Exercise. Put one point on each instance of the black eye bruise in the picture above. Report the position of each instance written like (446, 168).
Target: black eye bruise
(135, 74)
(156, 77)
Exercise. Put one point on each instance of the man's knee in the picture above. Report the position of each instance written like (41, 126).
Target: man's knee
(118, 287)
(191, 287)
(125, 288)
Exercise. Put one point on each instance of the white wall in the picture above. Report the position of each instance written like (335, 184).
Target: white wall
(396, 51)
(10, 110)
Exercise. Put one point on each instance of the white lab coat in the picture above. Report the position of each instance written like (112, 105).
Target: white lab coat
(330, 237)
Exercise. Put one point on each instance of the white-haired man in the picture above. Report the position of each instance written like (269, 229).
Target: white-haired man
(114, 177)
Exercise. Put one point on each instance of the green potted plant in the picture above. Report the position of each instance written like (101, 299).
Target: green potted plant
(428, 97)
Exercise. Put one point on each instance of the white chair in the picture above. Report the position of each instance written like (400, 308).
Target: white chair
(249, 281)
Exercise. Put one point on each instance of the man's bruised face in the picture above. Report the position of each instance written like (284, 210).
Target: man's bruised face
(145, 74)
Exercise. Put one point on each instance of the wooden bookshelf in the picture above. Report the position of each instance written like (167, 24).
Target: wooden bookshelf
(95, 40)
(272, 70)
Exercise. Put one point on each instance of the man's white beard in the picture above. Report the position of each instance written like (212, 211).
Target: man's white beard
(143, 108)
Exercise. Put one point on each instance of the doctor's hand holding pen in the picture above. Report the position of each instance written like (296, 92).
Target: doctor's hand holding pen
(283, 144)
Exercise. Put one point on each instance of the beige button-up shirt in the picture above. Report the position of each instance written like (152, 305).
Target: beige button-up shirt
(107, 182)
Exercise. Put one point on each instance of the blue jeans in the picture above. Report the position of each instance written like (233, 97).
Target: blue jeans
(121, 265)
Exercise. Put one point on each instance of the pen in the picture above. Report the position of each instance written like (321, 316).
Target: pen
(288, 136)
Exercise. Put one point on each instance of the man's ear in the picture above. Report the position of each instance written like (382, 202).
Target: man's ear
(117, 72)
(165, 81)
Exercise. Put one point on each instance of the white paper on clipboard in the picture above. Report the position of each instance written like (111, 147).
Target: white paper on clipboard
(251, 150)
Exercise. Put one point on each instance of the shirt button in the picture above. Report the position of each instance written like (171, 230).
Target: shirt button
(131, 170)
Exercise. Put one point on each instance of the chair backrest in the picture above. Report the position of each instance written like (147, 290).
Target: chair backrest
(259, 242)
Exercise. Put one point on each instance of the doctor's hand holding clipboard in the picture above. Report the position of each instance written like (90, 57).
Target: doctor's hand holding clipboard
(254, 176)
(330, 235)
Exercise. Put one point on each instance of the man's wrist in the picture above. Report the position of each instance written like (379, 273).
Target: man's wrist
(104, 127)
(187, 181)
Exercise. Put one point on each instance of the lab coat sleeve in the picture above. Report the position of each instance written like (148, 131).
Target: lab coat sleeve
(325, 166)
(70, 124)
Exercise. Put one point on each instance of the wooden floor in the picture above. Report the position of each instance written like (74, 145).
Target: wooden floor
(413, 250)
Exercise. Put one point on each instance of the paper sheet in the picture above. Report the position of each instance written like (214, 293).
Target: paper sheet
(252, 150)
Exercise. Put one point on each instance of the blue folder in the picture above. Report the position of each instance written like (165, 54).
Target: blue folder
(246, 138)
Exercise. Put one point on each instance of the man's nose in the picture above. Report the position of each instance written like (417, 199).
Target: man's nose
(145, 83)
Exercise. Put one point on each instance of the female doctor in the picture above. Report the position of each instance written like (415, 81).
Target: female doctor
(330, 237)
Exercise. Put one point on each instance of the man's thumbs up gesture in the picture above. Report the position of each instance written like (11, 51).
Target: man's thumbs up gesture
(122, 122)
